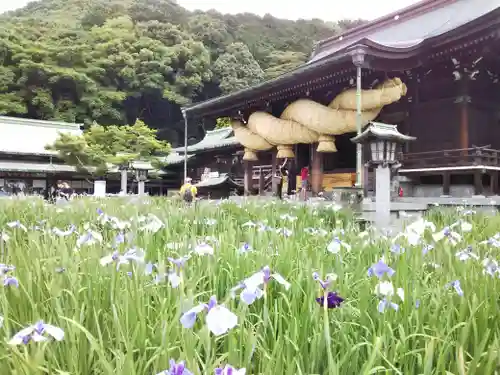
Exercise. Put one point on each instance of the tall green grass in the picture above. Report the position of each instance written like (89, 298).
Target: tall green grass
(121, 324)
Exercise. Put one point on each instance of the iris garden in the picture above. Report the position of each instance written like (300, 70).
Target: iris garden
(150, 286)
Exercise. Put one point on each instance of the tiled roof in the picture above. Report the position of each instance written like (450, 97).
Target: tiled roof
(409, 29)
(213, 139)
(216, 181)
(384, 131)
(24, 136)
(16, 166)
(175, 158)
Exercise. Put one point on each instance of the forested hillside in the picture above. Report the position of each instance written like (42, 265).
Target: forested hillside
(113, 61)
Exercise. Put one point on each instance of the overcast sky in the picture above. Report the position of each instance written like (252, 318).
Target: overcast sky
(328, 10)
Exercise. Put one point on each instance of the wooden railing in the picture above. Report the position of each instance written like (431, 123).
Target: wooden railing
(263, 175)
(451, 158)
(261, 169)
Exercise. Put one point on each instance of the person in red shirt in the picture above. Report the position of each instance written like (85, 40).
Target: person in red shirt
(304, 176)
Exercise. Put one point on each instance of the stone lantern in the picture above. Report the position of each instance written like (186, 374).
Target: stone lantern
(384, 142)
(141, 175)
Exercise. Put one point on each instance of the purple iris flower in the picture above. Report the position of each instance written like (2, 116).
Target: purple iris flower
(324, 284)
(176, 369)
(6, 268)
(397, 249)
(10, 281)
(37, 333)
(149, 268)
(379, 269)
(230, 370)
(333, 300)
(219, 319)
(426, 249)
(385, 304)
(456, 285)
(180, 262)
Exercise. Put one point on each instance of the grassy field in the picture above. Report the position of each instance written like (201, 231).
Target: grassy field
(115, 283)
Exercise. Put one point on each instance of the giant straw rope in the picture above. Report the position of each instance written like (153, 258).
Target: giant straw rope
(306, 121)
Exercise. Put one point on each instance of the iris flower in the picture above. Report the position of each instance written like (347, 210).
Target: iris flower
(38, 332)
(252, 286)
(219, 319)
(18, 225)
(89, 238)
(204, 249)
(336, 245)
(379, 269)
(426, 249)
(10, 281)
(64, 233)
(491, 267)
(151, 223)
(466, 254)
(385, 290)
(332, 299)
(176, 369)
(456, 285)
(397, 249)
(245, 248)
(230, 370)
(132, 255)
(7, 279)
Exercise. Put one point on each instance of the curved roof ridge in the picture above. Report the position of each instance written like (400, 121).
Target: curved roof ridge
(422, 6)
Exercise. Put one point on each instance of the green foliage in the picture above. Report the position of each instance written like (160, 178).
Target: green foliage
(116, 61)
(223, 122)
(100, 147)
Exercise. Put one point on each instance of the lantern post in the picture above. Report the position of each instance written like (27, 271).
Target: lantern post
(384, 142)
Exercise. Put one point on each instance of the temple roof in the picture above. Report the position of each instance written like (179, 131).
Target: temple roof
(25, 136)
(217, 181)
(213, 139)
(409, 27)
(405, 34)
(379, 130)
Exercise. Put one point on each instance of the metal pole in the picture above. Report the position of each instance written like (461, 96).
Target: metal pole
(359, 147)
(185, 145)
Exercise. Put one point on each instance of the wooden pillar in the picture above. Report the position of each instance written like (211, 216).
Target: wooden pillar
(464, 101)
(316, 169)
(413, 108)
(247, 179)
(478, 182)
(262, 182)
(446, 183)
(274, 181)
(494, 182)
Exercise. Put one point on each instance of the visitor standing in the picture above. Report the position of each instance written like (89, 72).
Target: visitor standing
(188, 191)
(304, 177)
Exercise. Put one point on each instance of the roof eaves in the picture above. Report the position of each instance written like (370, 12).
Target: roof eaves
(6, 120)
(246, 94)
(379, 23)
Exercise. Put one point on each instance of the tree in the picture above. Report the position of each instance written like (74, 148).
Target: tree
(99, 148)
(223, 122)
(237, 69)
(116, 61)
